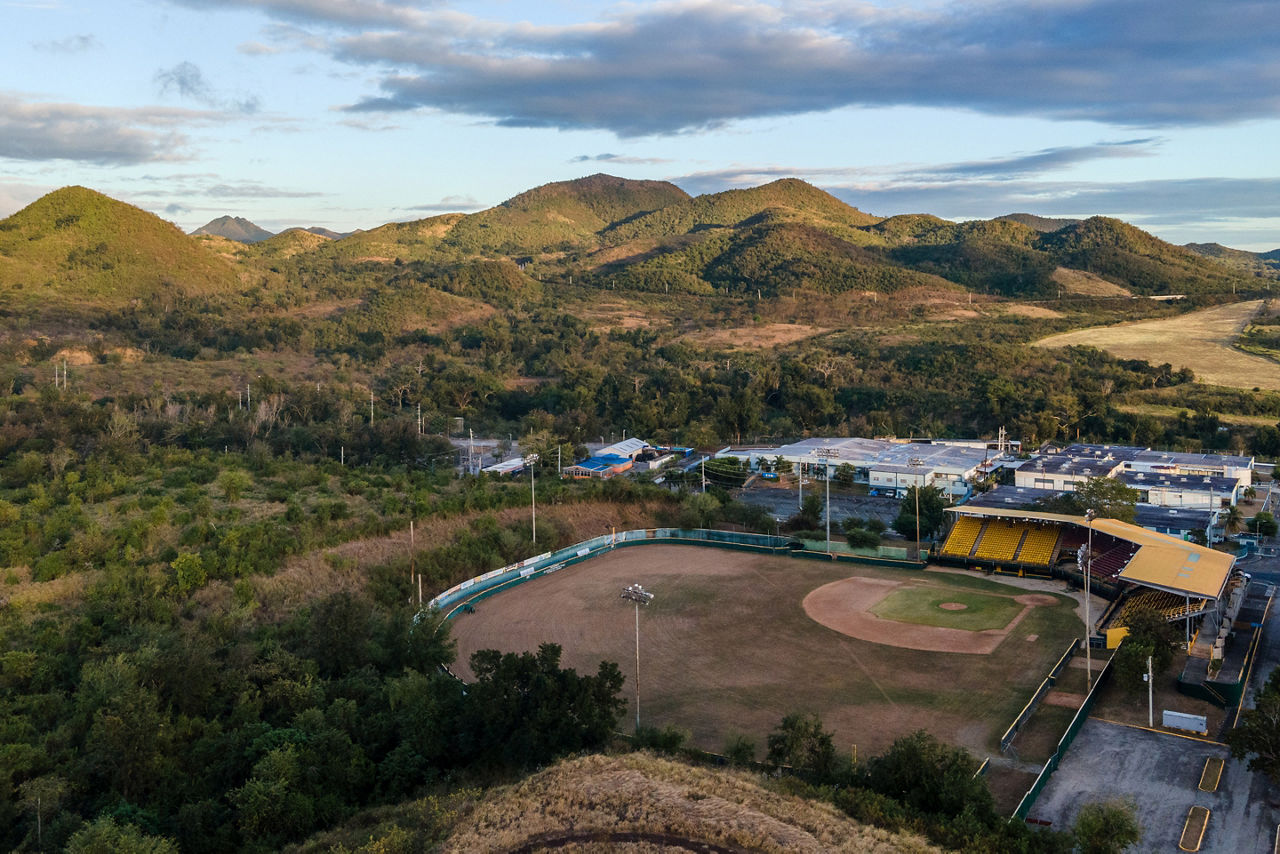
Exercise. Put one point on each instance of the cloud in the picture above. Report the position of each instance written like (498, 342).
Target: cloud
(618, 158)
(1008, 168)
(255, 190)
(100, 135)
(330, 12)
(1045, 160)
(187, 80)
(690, 65)
(175, 209)
(1154, 202)
(71, 44)
(448, 204)
(256, 49)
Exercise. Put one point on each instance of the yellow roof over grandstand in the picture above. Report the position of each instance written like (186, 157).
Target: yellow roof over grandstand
(1162, 561)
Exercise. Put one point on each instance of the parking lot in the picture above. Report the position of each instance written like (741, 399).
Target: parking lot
(1161, 773)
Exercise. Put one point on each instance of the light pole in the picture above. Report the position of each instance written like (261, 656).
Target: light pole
(533, 498)
(916, 462)
(639, 596)
(1089, 516)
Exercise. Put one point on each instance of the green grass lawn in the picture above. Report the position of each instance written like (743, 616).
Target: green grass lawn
(922, 605)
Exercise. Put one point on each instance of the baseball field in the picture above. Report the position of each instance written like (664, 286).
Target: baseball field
(733, 641)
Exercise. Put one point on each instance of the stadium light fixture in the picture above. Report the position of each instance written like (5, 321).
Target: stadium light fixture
(637, 594)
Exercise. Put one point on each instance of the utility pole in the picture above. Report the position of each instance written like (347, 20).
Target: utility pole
(915, 463)
(826, 471)
(704, 474)
(1151, 694)
(533, 497)
(370, 406)
(1089, 516)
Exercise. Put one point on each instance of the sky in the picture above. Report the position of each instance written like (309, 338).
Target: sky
(353, 113)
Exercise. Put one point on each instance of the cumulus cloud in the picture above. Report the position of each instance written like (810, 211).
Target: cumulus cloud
(688, 65)
(100, 135)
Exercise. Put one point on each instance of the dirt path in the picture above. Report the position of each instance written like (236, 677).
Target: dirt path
(1201, 341)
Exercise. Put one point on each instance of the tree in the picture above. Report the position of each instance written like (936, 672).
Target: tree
(1107, 827)
(1257, 735)
(801, 743)
(810, 515)
(524, 710)
(233, 483)
(1265, 524)
(1149, 635)
(1233, 520)
(105, 836)
(1107, 497)
(188, 571)
(931, 777)
(932, 512)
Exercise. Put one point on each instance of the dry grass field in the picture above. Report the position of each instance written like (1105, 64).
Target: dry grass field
(639, 804)
(727, 647)
(1201, 341)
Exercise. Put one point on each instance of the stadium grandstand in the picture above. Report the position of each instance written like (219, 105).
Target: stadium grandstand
(1135, 566)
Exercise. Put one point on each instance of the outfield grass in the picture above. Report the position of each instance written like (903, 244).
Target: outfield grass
(923, 606)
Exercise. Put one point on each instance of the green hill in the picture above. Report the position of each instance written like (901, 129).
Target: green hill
(1039, 223)
(1135, 259)
(788, 199)
(235, 228)
(560, 216)
(78, 245)
(1262, 264)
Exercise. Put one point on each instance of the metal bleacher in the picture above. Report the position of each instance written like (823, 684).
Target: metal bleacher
(1000, 540)
(1039, 545)
(962, 537)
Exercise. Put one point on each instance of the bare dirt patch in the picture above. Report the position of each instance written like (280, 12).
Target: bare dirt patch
(1036, 599)
(763, 336)
(1064, 699)
(1200, 340)
(1024, 310)
(1087, 284)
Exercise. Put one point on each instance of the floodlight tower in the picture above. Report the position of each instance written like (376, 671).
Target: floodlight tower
(639, 596)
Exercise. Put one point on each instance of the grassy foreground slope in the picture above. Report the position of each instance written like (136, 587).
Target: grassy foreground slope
(630, 803)
(76, 245)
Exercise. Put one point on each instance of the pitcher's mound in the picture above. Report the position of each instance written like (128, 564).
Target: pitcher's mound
(953, 606)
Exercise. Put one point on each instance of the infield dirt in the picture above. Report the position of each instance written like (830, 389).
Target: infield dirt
(726, 647)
